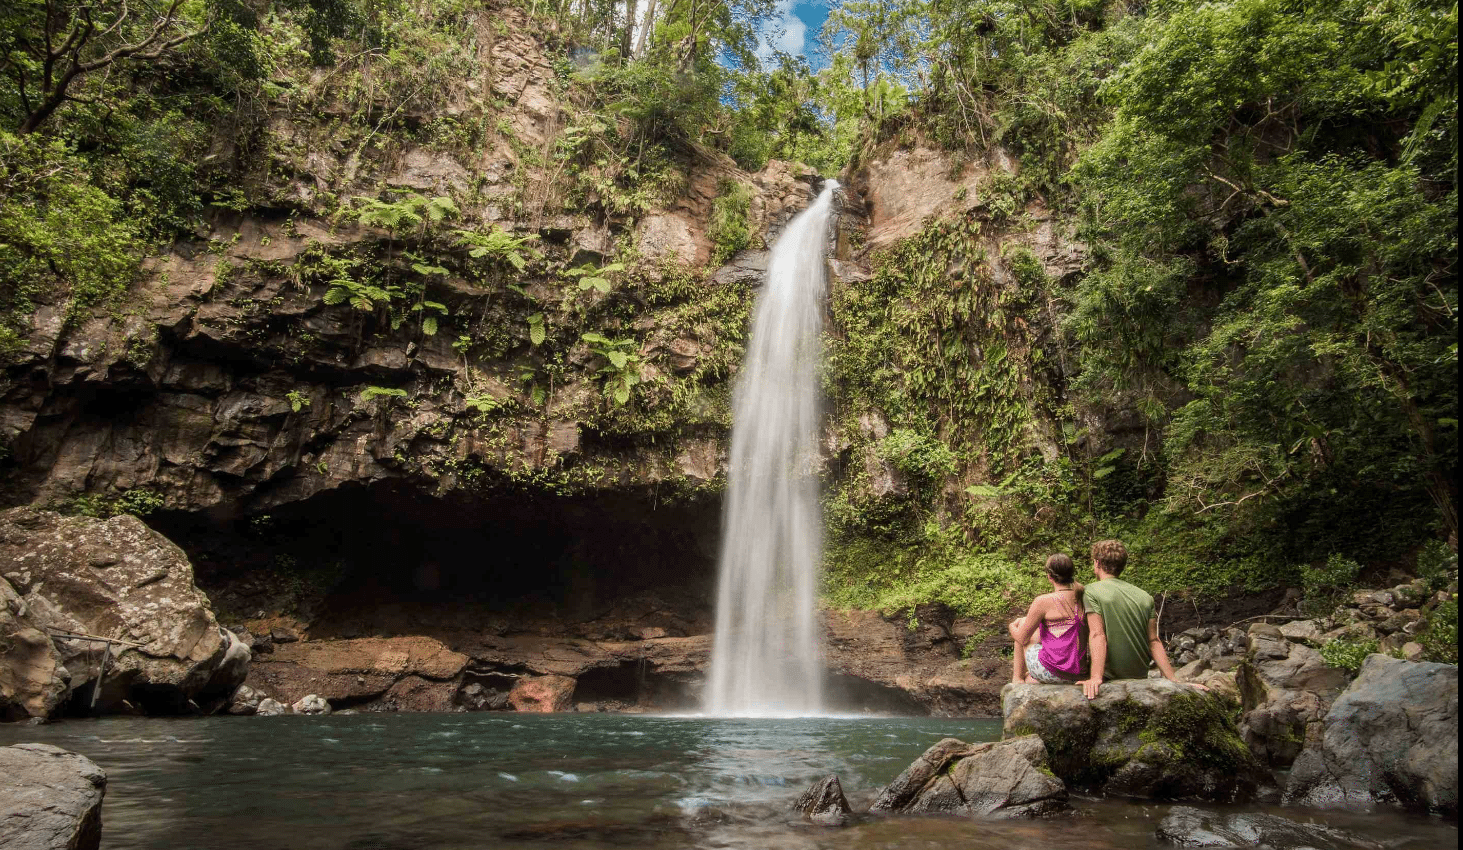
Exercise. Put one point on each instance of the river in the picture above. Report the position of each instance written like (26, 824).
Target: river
(575, 781)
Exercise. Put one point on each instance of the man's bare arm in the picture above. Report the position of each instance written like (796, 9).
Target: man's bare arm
(1097, 648)
(1160, 655)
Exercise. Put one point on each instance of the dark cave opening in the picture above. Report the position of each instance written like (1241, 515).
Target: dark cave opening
(390, 559)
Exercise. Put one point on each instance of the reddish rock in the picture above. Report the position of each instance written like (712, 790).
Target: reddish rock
(413, 693)
(543, 694)
(356, 670)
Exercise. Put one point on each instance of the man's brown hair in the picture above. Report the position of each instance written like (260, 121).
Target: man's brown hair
(1111, 555)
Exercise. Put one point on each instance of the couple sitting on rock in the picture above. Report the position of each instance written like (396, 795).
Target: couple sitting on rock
(1112, 619)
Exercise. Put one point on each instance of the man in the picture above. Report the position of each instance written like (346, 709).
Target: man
(1122, 631)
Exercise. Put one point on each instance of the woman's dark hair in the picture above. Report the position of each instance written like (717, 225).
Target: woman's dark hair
(1060, 568)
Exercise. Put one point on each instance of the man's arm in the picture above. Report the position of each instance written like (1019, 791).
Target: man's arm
(1097, 649)
(1160, 655)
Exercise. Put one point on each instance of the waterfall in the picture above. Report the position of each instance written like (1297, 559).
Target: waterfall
(767, 657)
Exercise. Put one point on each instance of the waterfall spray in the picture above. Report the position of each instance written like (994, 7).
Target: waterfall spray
(767, 659)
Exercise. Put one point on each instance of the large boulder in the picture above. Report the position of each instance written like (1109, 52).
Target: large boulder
(1139, 738)
(1186, 827)
(1391, 737)
(1286, 688)
(543, 693)
(1005, 779)
(117, 578)
(50, 799)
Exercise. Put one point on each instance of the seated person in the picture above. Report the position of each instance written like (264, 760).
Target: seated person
(1122, 630)
(1060, 657)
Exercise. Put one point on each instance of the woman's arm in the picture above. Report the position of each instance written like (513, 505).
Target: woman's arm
(1033, 618)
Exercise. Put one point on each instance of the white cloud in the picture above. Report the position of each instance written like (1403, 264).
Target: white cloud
(785, 32)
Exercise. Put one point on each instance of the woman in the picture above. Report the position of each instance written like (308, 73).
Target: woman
(1060, 657)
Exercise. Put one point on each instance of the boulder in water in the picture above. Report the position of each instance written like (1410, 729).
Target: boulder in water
(271, 708)
(245, 701)
(1139, 738)
(543, 693)
(116, 578)
(311, 704)
(1188, 827)
(824, 803)
(1391, 737)
(1005, 779)
(50, 799)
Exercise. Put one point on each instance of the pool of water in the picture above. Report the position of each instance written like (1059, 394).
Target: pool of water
(459, 781)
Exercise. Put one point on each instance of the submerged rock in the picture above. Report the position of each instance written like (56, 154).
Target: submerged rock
(543, 694)
(824, 803)
(1188, 827)
(113, 578)
(50, 799)
(1005, 779)
(1139, 738)
(1391, 737)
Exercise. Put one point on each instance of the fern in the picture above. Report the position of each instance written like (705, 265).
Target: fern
(372, 393)
(498, 244)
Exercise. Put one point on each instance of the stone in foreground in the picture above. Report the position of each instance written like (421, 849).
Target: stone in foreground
(50, 799)
(1005, 779)
(1150, 738)
(1188, 827)
(1286, 688)
(824, 803)
(1391, 737)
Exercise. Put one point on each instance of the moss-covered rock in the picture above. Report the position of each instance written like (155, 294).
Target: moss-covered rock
(1150, 738)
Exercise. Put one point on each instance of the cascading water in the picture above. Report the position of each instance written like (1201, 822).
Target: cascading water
(767, 658)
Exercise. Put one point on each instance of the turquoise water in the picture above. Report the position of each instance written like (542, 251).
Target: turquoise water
(503, 780)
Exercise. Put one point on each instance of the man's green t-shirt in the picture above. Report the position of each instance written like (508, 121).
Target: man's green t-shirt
(1125, 612)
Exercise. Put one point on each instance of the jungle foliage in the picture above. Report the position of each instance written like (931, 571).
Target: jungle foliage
(1268, 193)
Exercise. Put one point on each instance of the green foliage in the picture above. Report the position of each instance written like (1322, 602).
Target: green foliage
(1348, 655)
(297, 400)
(920, 456)
(1326, 584)
(498, 245)
(594, 277)
(728, 230)
(621, 371)
(61, 237)
(370, 394)
(138, 502)
(1440, 640)
(410, 212)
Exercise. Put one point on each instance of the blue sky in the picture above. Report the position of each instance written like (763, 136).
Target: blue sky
(794, 29)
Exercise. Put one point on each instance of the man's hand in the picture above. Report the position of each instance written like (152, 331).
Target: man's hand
(1197, 685)
(1091, 686)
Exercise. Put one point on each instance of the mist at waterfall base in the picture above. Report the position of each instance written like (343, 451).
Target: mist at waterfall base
(766, 659)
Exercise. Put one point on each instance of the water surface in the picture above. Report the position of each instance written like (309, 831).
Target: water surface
(580, 781)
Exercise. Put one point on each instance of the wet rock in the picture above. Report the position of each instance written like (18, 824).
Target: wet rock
(1188, 827)
(1005, 779)
(271, 708)
(1138, 738)
(311, 704)
(50, 799)
(1286, 689)
(542, 694)
(245, 701)
(824, 803)
(116, 578)
(1391, 737)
